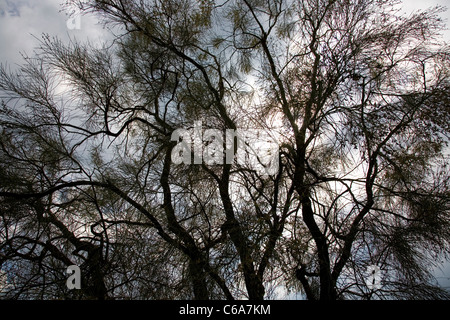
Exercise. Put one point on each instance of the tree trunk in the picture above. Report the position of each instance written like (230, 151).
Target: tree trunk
(253, 282)
(327, 288)
(198, 279)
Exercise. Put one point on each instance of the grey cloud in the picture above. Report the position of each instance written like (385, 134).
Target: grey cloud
(11, 8)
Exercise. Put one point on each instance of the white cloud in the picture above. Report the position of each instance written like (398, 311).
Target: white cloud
(21, 22)
(414, 5)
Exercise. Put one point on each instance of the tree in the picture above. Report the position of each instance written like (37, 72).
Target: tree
(355, 93)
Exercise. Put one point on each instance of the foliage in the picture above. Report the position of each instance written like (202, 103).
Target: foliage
(355, 92)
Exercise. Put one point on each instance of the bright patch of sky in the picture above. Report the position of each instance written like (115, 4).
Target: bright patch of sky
(414, 5)
(22, 23)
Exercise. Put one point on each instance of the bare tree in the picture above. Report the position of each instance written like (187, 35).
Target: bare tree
(355, 93)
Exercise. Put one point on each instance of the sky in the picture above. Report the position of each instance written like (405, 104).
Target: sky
(22, 22)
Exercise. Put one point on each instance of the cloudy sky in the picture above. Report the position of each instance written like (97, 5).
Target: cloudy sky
(22, 21)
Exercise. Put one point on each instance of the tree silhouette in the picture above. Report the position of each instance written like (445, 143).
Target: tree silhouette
(355, 94)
